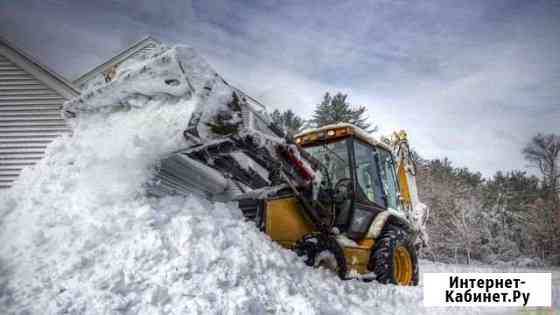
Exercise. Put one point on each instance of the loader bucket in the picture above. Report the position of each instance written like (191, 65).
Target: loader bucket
(229, 142)
(176, 72)
(178, 174)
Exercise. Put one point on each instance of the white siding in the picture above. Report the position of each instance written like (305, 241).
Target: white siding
(29, 120)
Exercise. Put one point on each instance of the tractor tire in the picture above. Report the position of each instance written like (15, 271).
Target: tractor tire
(322, 251)
(393, 258)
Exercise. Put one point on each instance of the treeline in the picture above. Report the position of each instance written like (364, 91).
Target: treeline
(511, 217)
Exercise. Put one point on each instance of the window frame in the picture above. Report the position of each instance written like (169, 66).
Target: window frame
(375, 160)
(345, 224)
(395, 179)
(359, 203)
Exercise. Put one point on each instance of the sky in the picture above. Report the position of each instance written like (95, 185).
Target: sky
(469, 80)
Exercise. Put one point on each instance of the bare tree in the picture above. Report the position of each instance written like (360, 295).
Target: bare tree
(465, 222)
(543, 151)
(455, 210)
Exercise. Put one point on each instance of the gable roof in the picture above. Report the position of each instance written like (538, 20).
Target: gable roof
(38, 70)
(120, 57)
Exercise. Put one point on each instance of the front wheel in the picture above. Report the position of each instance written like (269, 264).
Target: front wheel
(322, 250)
(393, 259)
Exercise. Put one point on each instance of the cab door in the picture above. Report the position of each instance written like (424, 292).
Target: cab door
(369, 195)
(389, 178)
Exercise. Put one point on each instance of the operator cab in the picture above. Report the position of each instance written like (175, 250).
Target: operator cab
(360, 170)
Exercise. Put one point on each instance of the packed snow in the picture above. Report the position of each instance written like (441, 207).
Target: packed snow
(78, 235)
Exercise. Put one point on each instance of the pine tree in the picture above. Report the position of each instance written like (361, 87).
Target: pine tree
(336, 109)
(288, 120)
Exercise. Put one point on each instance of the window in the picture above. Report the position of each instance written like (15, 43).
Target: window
(367, 176)
(334, 156)
(387, 170)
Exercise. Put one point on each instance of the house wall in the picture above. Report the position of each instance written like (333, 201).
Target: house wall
(29, 119)
(31, 97)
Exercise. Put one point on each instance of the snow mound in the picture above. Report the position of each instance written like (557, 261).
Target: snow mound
(79, 235)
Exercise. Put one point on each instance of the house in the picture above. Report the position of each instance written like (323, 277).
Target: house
(31, 96)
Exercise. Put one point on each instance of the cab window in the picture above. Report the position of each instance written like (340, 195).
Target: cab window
(334, 156)
(388, 177)
(367, 176)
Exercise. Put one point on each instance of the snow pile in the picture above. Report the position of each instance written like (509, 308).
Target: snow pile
(78, 235)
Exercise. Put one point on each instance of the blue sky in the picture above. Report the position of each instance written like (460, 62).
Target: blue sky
(470, 80)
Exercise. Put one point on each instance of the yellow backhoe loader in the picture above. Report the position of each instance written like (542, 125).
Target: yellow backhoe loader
(367, 233)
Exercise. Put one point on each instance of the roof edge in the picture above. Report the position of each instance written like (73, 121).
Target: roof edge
(123, 54)
(29, 63)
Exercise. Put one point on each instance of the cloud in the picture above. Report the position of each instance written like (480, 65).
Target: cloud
(471, 80)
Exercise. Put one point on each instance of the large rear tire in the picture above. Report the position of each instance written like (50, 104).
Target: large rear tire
(393, 259)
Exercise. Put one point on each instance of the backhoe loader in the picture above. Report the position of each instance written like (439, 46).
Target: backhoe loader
(335, 195)
(363, 232)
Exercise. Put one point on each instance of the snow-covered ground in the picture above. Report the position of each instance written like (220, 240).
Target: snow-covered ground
(427, 266)
(79, 236)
